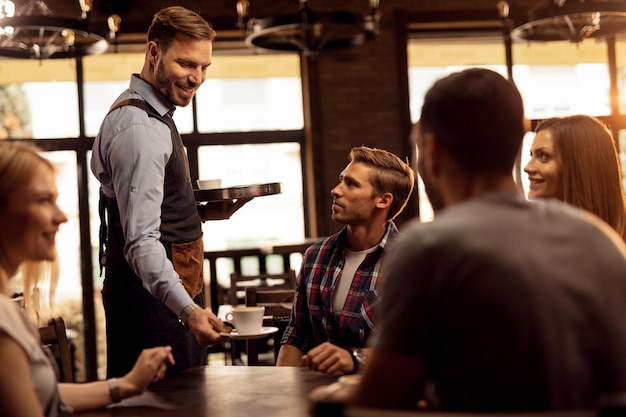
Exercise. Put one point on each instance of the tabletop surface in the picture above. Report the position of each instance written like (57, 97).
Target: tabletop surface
(224, 391)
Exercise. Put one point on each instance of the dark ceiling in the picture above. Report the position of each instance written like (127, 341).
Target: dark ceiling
(436, 15)
(459, 19)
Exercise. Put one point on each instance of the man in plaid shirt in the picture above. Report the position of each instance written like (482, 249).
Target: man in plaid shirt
(336, 295)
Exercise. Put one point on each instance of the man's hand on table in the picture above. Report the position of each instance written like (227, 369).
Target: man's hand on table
(221, 210)
(330, 359)
(206, 327)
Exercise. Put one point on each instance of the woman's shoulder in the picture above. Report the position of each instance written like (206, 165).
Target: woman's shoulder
(15, 323)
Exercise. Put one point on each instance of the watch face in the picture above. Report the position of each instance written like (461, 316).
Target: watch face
(360, 355)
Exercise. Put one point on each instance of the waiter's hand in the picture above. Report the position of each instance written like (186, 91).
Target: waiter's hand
(221, 210)
(206, 327)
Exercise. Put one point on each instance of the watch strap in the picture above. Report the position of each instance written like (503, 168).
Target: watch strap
(114, 390)
(355, 361)
(184, 315)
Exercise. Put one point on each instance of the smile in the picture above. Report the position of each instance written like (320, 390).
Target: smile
(187, 91)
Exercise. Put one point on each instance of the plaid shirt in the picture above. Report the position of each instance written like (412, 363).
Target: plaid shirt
(313, 317)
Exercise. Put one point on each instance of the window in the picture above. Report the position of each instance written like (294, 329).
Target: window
(273, 218)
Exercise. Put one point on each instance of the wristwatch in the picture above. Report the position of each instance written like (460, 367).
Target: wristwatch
(359, 357)
(114, 390)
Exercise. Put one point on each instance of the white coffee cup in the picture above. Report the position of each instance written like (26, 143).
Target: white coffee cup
(210, 184)
(247, 320)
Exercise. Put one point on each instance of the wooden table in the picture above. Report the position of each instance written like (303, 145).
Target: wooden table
(221, 391)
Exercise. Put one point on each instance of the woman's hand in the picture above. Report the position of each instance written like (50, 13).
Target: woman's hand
(150, 367)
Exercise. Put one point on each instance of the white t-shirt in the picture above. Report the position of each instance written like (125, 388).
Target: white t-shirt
(352, 262)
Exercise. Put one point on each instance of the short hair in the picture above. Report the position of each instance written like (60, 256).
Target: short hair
(478, 117)
(169, 21)
(391, 175)
(586, 153)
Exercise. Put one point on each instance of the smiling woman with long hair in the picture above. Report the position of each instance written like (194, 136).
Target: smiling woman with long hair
(574, 159)
(29, 221)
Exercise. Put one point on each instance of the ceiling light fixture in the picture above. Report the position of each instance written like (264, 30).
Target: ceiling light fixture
(307, 31)
(573, 20)
(34, 32)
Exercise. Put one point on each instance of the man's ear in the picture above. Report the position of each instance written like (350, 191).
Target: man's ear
(153, 52)
(385, 200)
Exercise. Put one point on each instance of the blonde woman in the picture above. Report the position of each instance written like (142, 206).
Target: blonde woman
(29, 221)
(574, 159)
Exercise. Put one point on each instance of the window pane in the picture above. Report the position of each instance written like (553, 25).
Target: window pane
(15, 116)
(99, 96)
(241, 105)
(422, 78)
(264, 219)
(68, 238)
(53, 108)
(241, 93)
(554, 78)
(247, 93)
(559, 90)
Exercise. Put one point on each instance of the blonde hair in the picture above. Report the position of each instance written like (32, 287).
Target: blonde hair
(18, 163)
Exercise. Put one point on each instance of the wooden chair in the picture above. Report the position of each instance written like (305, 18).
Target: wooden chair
(238, 284)
(277, 303)
(54, 337)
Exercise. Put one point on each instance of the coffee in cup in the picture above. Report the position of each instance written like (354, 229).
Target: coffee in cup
(209, 184)
(247, 320)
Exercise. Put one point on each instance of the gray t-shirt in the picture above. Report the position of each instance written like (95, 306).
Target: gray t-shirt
(514, 305)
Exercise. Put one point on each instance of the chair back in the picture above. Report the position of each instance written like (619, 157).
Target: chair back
(277, 302)
(238, 284)
(54, 337)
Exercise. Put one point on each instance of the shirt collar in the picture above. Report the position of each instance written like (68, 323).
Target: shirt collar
(152, 96)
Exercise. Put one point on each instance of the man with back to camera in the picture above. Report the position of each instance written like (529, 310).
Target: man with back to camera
(152, 291)
(500, 303)
(337, 288)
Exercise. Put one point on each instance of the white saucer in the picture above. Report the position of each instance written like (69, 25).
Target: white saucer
(264, 332)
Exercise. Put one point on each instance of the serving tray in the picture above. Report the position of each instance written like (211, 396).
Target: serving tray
(236, 192)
